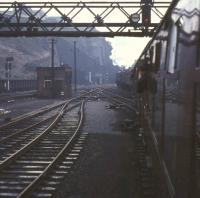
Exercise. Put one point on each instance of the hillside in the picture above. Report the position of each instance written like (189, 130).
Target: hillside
(29, 53)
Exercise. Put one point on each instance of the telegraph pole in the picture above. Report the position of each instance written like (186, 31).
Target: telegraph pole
(52, 65)
(75, 66)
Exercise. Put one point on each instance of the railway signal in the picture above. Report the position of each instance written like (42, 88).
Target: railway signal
(8, 67)
(146, 12)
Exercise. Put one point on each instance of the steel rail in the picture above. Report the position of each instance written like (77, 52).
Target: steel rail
(31, 114)
(35, 182)
(15, 152)
(117, 95)
(38, 112)
(64, 109)
(128, 106)
(26, 129)
(7, 161)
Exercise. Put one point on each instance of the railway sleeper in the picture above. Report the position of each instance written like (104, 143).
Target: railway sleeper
(42, 195)
(21, 171)
(8, 194)
(28, 167)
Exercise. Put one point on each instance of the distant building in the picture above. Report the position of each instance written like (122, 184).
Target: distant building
(54, 82)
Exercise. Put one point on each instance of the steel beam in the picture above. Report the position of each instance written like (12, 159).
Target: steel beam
(103, 18)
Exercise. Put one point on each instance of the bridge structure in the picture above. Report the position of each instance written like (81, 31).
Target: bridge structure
(81, 18)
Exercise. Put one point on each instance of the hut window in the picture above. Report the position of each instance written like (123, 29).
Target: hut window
(47, 84)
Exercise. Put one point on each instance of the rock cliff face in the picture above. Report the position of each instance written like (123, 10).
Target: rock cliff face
(92, 55)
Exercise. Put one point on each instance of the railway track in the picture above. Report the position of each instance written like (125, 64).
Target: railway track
(45, 157)
(32, 119)
(35, 160)
(130, 101)
(28, 120)
(14, 142)
(146, 180)
(27, 123)
(118, 100)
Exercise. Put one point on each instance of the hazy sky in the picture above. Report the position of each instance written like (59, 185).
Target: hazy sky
(125, 49)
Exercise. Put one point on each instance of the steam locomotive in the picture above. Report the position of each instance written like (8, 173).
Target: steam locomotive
(168, 89)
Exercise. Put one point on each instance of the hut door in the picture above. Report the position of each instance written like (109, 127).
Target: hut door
(58, 87)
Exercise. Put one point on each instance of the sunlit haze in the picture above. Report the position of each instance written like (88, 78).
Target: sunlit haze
(126, 50)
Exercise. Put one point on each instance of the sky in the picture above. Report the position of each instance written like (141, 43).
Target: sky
(125, 49)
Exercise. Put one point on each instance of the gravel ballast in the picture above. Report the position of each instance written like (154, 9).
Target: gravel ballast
(105, 168)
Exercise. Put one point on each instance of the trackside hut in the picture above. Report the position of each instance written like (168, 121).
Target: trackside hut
(54, 82)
